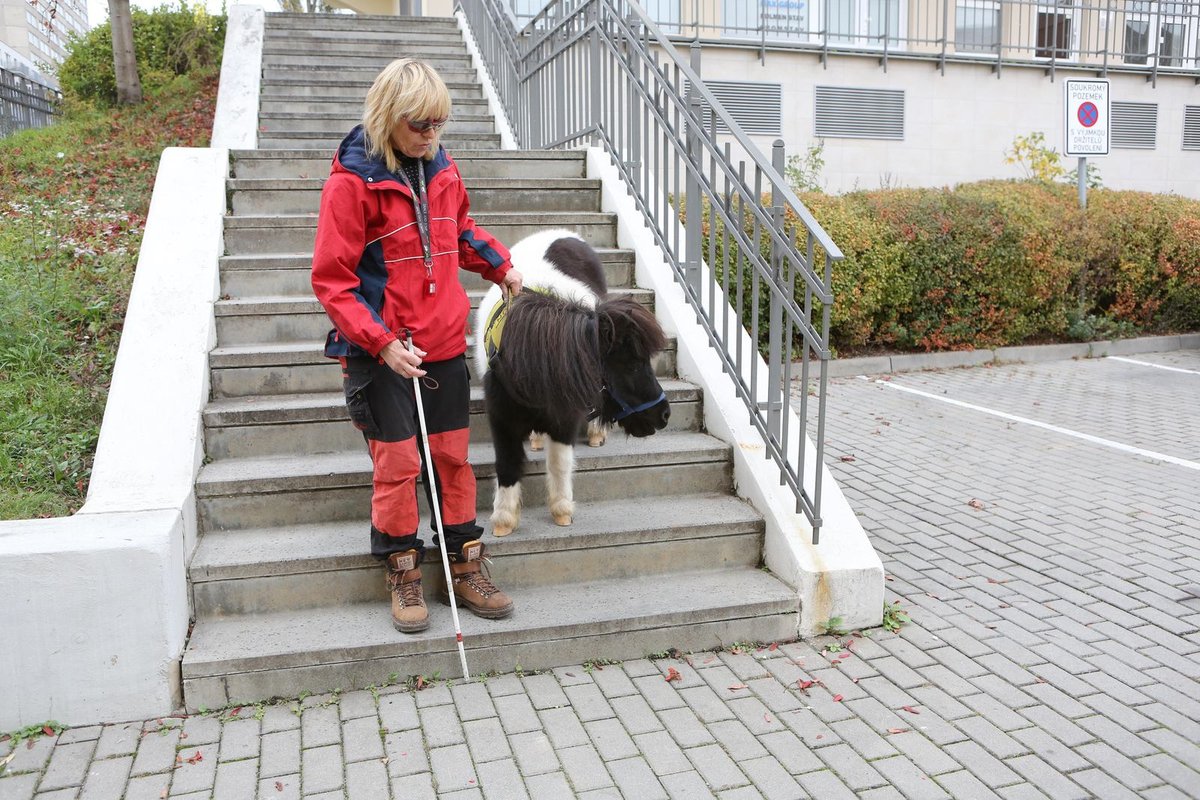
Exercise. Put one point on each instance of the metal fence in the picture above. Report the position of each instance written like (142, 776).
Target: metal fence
(1150, 36)
(25, 103)
(602, 72)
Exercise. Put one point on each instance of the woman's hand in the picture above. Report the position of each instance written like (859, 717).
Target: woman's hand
(402, 362)
(512, 283)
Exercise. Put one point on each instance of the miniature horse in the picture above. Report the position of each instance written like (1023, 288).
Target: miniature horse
(569, 354)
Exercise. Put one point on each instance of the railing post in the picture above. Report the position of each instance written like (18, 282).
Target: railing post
(692, 199)
(596, 90)
(775, 325)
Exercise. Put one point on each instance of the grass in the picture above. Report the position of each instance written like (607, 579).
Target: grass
(73, 203)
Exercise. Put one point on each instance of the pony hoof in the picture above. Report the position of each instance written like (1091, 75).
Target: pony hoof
(502, 530)
(596, 441)
(563, 519)
(536, 442)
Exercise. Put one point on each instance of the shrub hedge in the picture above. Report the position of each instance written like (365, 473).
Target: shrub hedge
(1001, 263)
(168, 41)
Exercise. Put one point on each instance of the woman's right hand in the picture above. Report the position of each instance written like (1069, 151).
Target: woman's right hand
(403, 362)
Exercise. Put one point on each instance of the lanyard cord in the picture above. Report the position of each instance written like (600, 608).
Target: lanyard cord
(421, 205)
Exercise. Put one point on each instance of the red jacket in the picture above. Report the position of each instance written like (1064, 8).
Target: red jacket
(368, 268)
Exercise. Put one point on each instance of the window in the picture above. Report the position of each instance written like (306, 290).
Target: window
(977, 26)
(1055, 29)
(779, 19)
(1159, 31)
(865, 23)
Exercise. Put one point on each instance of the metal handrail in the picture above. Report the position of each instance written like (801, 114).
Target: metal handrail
(602, 72)
(26, 103)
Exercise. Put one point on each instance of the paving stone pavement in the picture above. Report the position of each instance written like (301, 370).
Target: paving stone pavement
(1054, 649)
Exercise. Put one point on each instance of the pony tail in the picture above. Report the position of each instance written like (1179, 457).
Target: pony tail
(548, 356)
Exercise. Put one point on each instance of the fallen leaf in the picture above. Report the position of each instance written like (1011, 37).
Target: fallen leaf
(975, 504)
(737, 686)
(196, 758)
(997, 580)
(848, 458)
(898, 730)
(773, 646)
(570, 674)
(767, 718)
(910, 709)
(46, 729)
(819, 736)
(805, 684)
(672, 675)
(279, 786)
(843, 656)
(163, 794)
(837, 698)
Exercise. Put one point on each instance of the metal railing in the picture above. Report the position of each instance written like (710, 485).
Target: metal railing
(601, 72)
(1145, 36)
(25, 103)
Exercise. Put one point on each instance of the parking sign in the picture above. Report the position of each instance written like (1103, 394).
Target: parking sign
(1087, 112)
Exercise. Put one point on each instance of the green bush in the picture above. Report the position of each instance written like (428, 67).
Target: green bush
(994, 263)
(168, 42)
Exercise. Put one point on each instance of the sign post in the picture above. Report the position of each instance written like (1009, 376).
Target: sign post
(1086, 130)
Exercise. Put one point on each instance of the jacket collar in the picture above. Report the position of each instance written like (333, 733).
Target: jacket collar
(352, 157)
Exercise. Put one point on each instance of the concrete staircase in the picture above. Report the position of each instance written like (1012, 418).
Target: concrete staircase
(286, 597)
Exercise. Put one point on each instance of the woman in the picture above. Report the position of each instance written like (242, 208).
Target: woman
(393, 231)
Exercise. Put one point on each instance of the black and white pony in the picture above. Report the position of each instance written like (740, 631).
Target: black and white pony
(562, 353)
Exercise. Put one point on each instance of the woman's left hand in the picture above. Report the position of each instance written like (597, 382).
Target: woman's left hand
(512, 283)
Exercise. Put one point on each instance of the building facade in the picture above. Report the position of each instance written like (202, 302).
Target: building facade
(38, 30)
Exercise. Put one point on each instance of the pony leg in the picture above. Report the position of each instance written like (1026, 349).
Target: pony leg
(597, 433)
(536, 441)
(560, 460)
(506, 509)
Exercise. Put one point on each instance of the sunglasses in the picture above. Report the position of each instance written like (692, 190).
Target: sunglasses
(423, 125)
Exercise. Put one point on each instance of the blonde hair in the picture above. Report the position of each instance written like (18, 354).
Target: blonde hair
(406, 89)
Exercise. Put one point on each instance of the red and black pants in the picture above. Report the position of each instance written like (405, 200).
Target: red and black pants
(382, 404)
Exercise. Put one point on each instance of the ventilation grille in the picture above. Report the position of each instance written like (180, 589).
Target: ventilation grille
(1191, 127)
(756, 107)
(859, 113)
(1135, 125)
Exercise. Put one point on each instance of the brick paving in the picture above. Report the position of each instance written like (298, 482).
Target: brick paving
(1054, 652)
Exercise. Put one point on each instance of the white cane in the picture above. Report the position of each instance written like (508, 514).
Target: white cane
(437, 519)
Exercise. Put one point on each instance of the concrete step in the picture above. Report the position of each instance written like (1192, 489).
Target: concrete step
(293, 43)
(303, 196)
(351, 107)
(276, 21)
(335, 89)
(258, 276)
(298, 367)
(338, 124)
(355, 82)
(317, 140)
(455, 59)
(334, 73)
(309, 566)
(362, 36)
(489, 163)
(270, 425)
(294, 233)
(292, 318)
(283, 654)
(275, 491)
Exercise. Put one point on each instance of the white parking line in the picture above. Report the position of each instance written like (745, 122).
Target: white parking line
(1182, 462)
(1149, 364)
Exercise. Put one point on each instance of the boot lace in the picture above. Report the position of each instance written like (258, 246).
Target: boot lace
(409, 592)
(479, 581)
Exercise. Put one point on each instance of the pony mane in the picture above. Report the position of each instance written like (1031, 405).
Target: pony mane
(548, 356)
(625, 320)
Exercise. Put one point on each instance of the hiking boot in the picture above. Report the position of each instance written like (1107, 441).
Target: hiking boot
(472, 587)
(409, 613)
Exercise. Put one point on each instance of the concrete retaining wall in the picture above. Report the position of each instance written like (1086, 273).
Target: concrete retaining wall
(96, 605)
